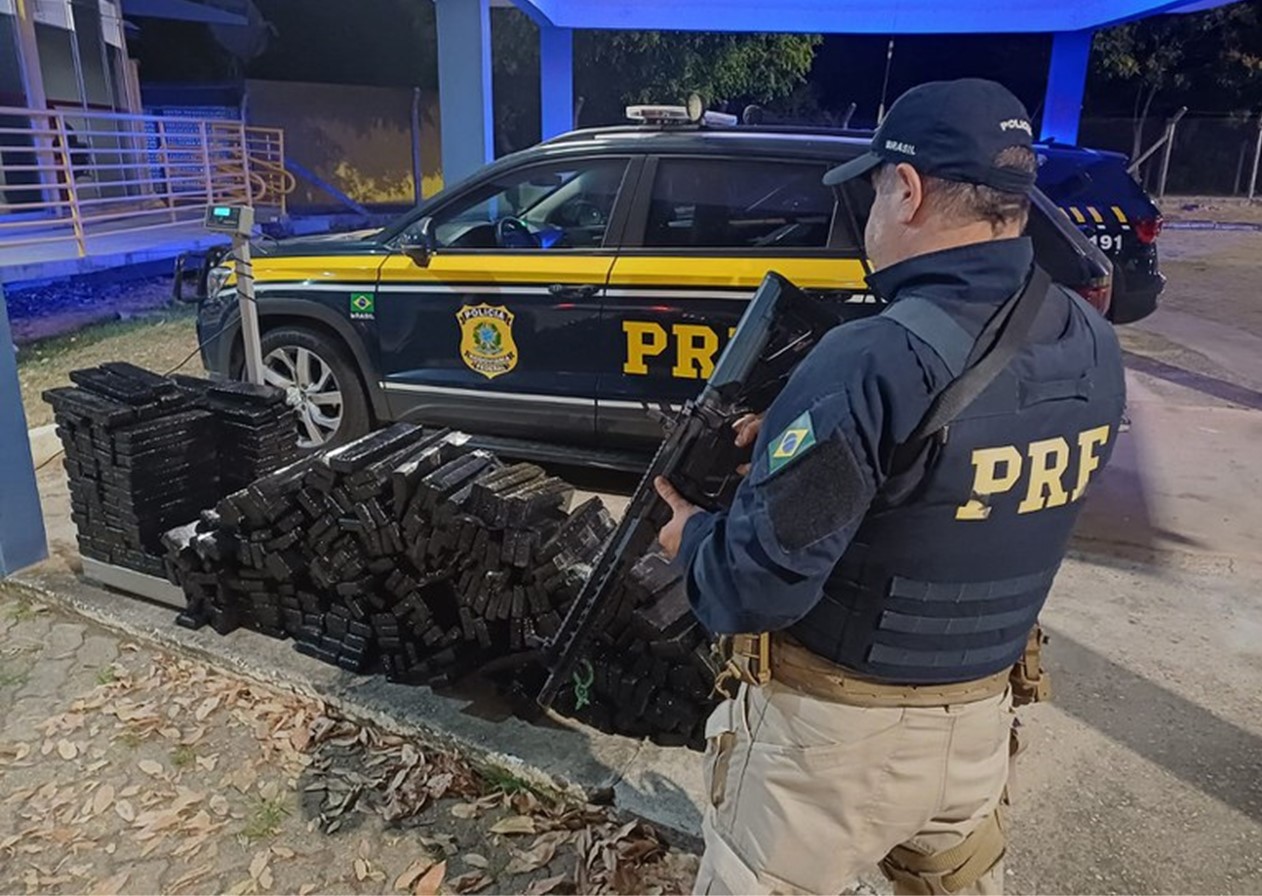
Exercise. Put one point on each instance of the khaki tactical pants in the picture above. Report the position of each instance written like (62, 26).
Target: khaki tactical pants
(806, 793)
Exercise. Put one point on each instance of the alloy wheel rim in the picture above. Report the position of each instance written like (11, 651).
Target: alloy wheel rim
(311, 389)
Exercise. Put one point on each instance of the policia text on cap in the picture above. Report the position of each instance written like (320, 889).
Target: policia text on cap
(910, 499)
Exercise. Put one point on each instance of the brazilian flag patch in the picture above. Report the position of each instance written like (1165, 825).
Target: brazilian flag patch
(363, 306)
(797, 439)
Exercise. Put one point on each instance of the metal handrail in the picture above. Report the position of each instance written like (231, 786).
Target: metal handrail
(74, 175)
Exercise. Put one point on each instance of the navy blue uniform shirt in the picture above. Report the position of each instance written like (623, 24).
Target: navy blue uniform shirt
(868, 383)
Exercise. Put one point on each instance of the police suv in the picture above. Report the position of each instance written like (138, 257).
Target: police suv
(547, 302)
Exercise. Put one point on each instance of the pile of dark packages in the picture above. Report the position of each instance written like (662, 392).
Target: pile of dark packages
(404, 552)
(408, 553)
(650, 670)
(144, 452)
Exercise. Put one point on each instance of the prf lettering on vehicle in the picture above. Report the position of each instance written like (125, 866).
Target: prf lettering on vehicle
(693, 347)
(1044, 466)
(687, 351)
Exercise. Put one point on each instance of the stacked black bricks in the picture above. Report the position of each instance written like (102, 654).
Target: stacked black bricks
(650, 672)
(403, 552)
(257, 429)
(140, 459)
(146, 452)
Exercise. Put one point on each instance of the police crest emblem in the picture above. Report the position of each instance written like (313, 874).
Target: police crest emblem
(486, 339)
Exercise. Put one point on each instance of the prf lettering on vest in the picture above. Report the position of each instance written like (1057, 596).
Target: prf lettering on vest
(1044, 467)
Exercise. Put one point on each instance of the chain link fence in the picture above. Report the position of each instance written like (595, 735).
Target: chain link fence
(1208, 155)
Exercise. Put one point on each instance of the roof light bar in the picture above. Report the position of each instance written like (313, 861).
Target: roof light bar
(667, 115)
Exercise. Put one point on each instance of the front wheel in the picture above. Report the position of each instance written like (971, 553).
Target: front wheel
(320, 383)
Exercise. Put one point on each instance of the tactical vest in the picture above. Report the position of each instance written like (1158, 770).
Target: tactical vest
(945, 578)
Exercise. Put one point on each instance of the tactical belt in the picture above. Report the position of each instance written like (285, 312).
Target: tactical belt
(803, 670)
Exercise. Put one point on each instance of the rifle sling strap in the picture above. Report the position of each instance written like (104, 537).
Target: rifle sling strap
(930, 323)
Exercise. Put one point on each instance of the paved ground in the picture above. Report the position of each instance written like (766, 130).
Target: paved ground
(125, 769)
(1143, 775)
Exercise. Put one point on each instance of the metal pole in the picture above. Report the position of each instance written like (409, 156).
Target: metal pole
(1257, 157)
(249, 310)
(22, 541)
(1244, 148)
(889, 61)
(1171, 125)
(418, 174)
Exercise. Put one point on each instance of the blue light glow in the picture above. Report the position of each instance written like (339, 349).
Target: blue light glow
(854, 16)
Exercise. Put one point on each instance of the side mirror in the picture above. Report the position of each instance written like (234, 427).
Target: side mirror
(420, 245)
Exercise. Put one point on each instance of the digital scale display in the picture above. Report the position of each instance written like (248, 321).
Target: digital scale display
(235, 219)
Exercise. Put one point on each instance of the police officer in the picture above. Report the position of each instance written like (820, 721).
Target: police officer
(900, 570)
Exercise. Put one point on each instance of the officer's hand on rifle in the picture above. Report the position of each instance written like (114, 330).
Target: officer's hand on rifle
(673, 532)
(747, 429)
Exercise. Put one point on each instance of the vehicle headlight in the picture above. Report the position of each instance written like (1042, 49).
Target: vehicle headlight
(216, 277)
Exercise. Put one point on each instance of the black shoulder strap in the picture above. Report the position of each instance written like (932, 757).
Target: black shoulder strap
(969, 381)
(939, 330)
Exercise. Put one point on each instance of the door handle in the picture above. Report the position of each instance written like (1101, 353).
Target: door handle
(570, 291)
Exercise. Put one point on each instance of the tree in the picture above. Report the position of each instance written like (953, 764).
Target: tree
(613, 68)
(1209, 61)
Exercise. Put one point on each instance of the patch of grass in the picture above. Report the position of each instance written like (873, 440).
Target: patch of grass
(23, 611)
(48, 351)
(502, 781)
(130, 739)
(157, 341)
(12, 679)
(265, 820)
(106, 675)
(183, 756)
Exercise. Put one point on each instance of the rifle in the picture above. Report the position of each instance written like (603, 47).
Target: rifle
(698, 455)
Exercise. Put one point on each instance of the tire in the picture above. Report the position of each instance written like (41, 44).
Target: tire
(329, 370)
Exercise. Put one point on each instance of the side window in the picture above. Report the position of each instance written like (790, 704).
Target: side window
(735, 204)
(562, 206)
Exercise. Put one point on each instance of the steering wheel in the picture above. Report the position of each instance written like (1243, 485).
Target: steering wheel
(512, 233)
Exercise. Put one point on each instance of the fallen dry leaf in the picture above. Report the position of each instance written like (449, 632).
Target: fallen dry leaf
(438, 785)
(259, 863)
(514, 824)
(111, 885)
(306, 889)
(471, 882)
(266, 879)
(195, 875)
(465, 810)
(205, 708)
(66, 750)
(526, 861)
(545, 886)
(283, 852)
(219, 805)
(149, 767)
(412, 874)
(124, 810)
(102, 799)
(474, 860)
(208, 763)
(430, 881)
(361, 869)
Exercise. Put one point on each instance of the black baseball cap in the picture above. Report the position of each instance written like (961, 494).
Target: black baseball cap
(952, 130)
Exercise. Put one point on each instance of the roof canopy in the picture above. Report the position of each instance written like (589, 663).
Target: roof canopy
(855, 16)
